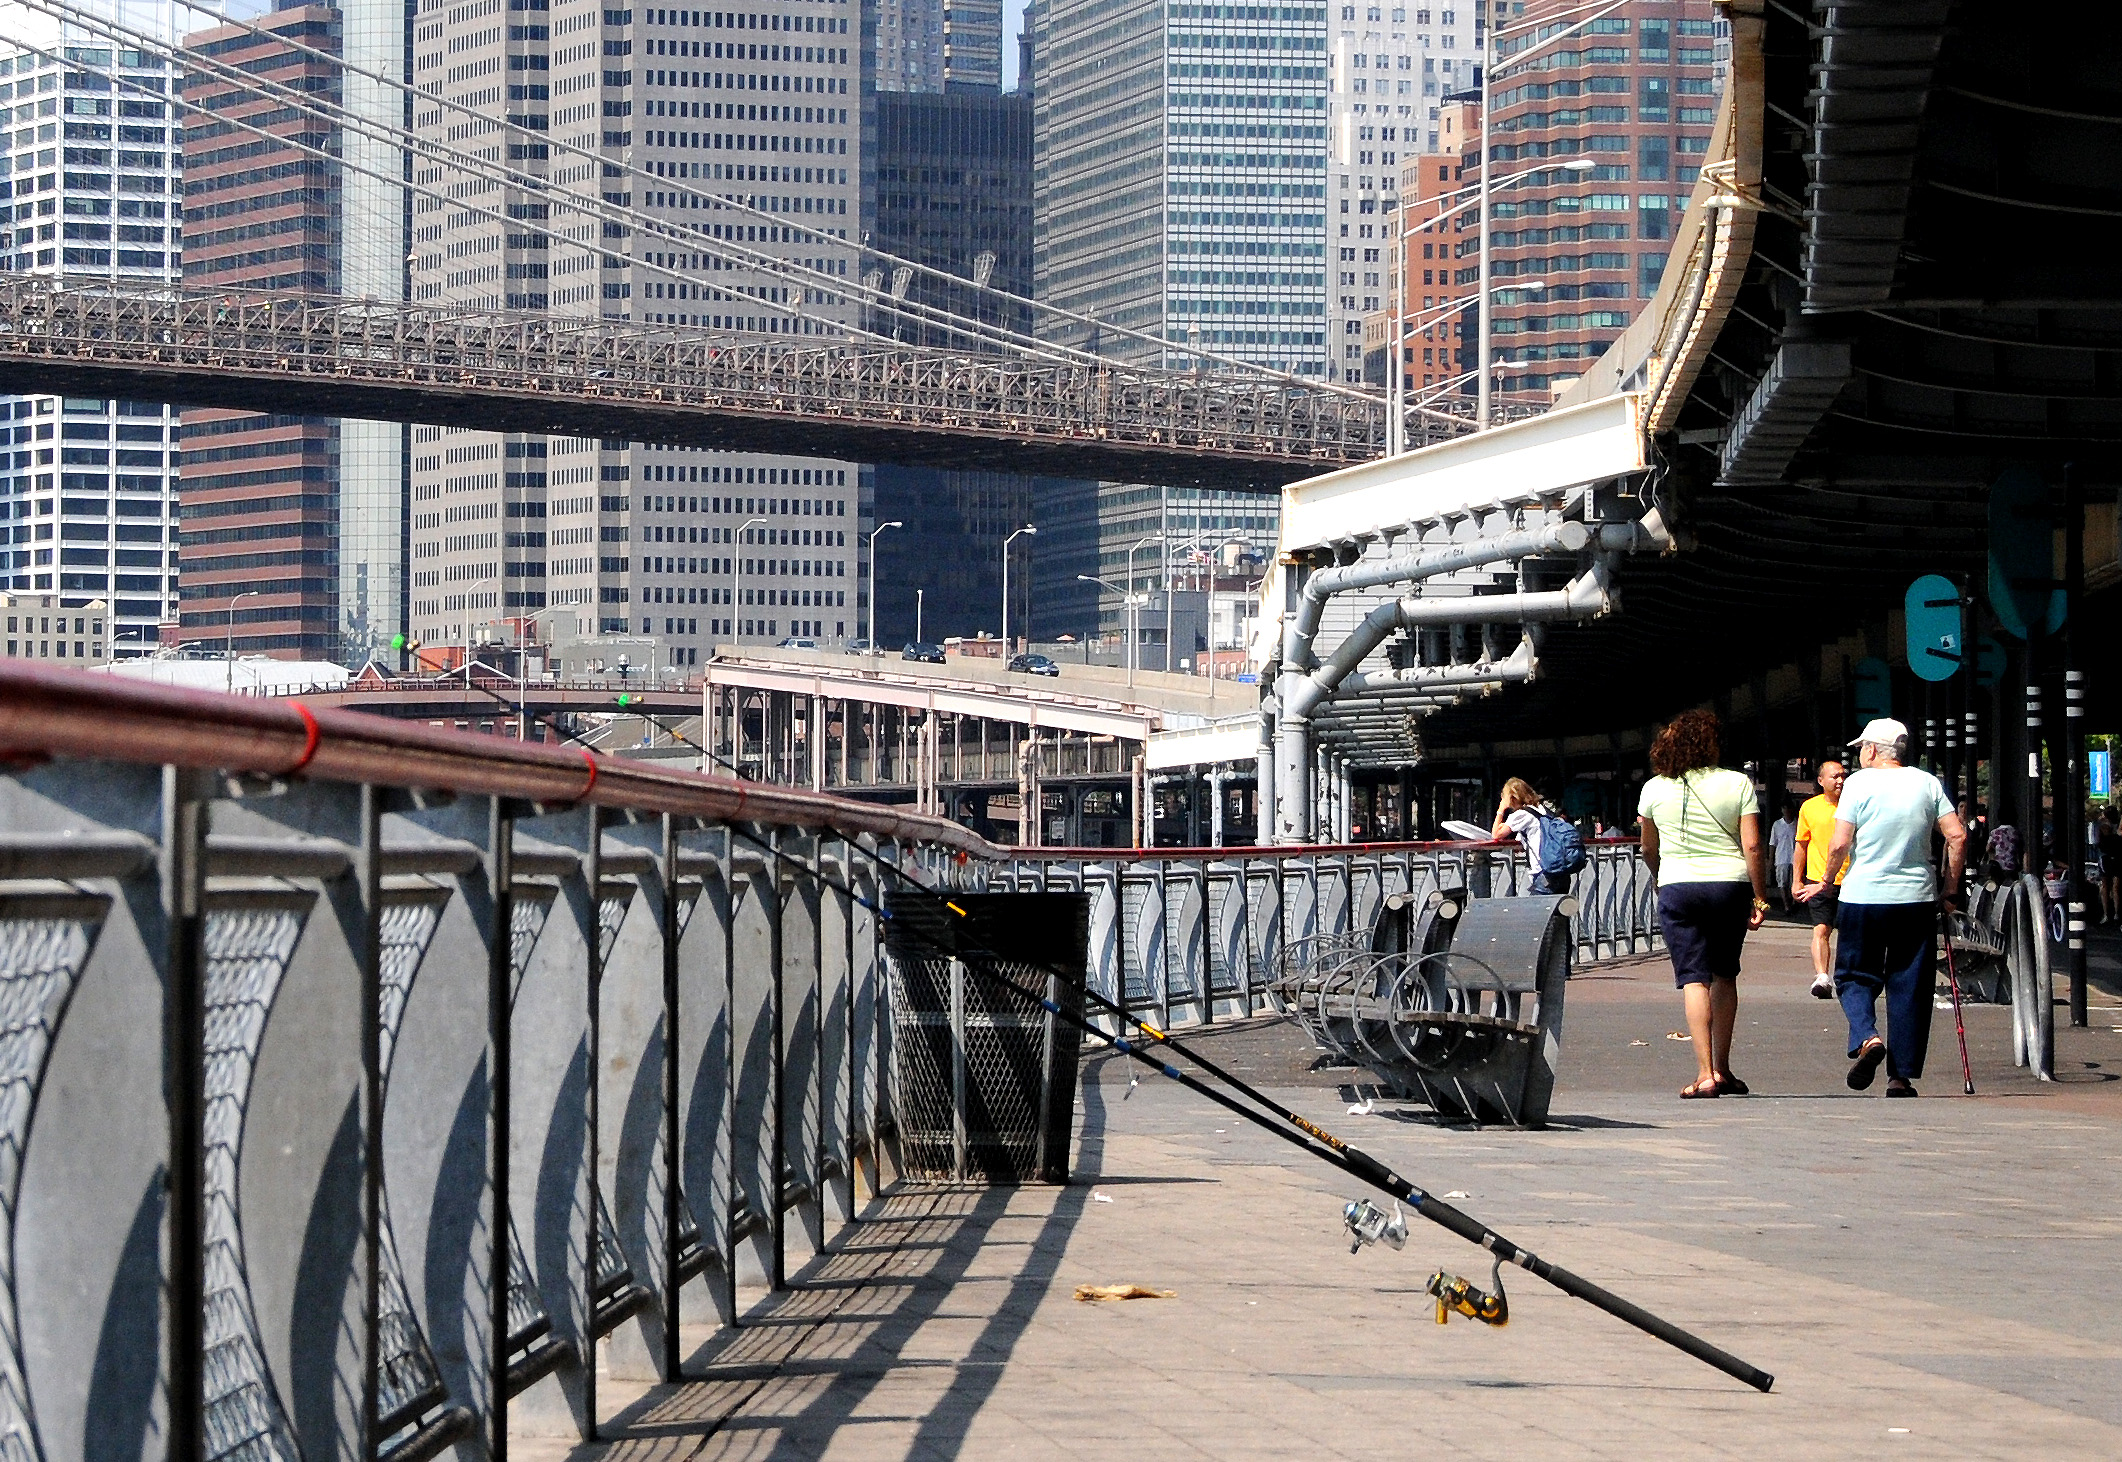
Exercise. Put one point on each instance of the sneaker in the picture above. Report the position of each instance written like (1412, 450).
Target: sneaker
(1823, 987)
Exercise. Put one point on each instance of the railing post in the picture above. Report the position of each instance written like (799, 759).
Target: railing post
(184, 820)
(500, 1053)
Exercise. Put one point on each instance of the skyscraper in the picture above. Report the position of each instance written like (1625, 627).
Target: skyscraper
(671, 547)
(259, 492)
(939, 45)
(89, 174)
(1180, 177)
(1389, 68)
(298, 545)
(954, 192)
(1180, 191)
(1576, 254)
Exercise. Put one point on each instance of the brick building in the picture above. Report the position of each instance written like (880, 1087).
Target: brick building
(1635, 91)
(258, 492)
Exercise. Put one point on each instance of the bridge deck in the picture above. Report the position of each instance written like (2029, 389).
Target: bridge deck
(944, 1326)
(675, 385)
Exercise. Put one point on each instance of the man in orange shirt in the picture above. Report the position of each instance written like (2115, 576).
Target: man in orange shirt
(1816, 830)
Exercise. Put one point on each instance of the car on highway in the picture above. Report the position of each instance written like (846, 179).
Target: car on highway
(797, 642)
(1033, 665)
(855, 647)
(927, 654)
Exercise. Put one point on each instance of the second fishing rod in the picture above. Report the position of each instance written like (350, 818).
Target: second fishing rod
(1267, 1113)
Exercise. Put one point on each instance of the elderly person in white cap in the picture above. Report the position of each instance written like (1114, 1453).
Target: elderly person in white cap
(1888, 923)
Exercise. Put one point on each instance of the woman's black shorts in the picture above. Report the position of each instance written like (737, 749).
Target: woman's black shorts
(1705, 928)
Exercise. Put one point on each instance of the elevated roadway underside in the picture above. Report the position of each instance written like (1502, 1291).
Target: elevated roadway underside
(1931, 299)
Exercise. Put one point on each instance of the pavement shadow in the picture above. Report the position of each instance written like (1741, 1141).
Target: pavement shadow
(797, 1370)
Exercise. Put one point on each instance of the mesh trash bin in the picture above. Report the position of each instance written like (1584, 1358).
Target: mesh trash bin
(983, 1077)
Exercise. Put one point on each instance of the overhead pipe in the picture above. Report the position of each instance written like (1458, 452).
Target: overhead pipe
(1303, 625)
(1514, 668)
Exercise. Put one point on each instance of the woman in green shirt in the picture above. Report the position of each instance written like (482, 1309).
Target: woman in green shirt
(1701, 826)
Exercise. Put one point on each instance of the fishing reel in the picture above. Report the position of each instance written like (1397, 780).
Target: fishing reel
(1370, 1224)
(1457, 1295)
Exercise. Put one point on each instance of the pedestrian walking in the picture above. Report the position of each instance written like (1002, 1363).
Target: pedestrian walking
(1523, 816)
(1887, 926)
(1782, 845)
(1816, 833)
(1702, 842)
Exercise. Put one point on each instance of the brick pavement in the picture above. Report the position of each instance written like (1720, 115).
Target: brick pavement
(1928, 1279)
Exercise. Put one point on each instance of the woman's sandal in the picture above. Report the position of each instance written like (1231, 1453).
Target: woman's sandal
(1730, 1085)
(1700, 1090)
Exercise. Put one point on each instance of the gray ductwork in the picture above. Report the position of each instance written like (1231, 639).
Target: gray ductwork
(1514, 668)
(1409, 568)
(1300, 695)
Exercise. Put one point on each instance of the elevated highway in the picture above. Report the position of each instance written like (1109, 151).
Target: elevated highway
(1892, 288)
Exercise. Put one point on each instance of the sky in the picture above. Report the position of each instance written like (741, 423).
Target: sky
(1012, 24)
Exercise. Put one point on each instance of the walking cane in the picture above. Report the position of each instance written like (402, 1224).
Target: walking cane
(1952, 980)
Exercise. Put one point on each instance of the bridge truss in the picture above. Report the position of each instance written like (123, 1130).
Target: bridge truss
(681, 386)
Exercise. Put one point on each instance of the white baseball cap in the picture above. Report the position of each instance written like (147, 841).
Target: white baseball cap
(1883, 732)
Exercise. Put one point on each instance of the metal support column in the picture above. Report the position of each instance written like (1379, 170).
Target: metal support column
(2070, 779)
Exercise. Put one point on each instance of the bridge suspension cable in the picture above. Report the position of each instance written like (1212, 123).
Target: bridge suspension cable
(596, 210)
(693, 239)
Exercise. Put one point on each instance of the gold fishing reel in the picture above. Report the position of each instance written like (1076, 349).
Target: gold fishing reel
(1458, 1295)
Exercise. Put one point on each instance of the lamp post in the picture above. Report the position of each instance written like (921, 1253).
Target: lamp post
(920, 598)
(1482, 397)
(894, 523)
(1127, 602)
(1027, 528)
(736, 582)
(523, 674)
(1396, 380)
(1140, 544)
(228, 641)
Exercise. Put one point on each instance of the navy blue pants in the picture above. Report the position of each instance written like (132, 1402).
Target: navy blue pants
(1889, 947)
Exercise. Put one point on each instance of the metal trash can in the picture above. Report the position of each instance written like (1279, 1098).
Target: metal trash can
(983, 1076)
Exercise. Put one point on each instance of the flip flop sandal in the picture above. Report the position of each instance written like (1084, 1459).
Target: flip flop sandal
(1730, 1085)
(1700, 1091)
(1866, 1065)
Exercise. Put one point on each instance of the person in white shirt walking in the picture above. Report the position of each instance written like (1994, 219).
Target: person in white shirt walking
(1782, 847)
(1888, 924)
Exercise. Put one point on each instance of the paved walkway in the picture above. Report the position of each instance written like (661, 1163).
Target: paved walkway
(1931, 1279)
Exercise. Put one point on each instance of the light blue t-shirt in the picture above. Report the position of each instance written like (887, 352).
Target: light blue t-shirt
(1894, 810)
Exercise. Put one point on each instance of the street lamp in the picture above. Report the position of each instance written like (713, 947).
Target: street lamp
(736, 581)
(1027, 528)
(1131, 656)
(1396, 423)
(1482, 396)
(228, 640)
(523, 672)
(894, 523)
(1127, 602)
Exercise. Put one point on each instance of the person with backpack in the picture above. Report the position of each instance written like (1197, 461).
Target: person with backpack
(1553, 846)
(1702, 841)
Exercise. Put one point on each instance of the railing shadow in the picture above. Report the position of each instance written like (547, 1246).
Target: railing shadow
(801, 1366)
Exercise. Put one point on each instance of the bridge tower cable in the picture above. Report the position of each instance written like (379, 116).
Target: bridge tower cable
(645, 223)
(833, 283)
(295, 145)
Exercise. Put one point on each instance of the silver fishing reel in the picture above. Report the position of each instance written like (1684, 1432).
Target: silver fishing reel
(1370, 1224)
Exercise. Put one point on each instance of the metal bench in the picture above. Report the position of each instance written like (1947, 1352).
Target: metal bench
(1456, 1002)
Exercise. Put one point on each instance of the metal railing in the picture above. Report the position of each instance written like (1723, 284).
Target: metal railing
(1198, 934)
(425, 1060)
(594, 377)
(383, 1070)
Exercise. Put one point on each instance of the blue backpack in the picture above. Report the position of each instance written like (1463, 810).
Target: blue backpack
(1561, 845)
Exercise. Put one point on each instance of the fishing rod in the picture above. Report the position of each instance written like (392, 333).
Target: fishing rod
(1367, 1223)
